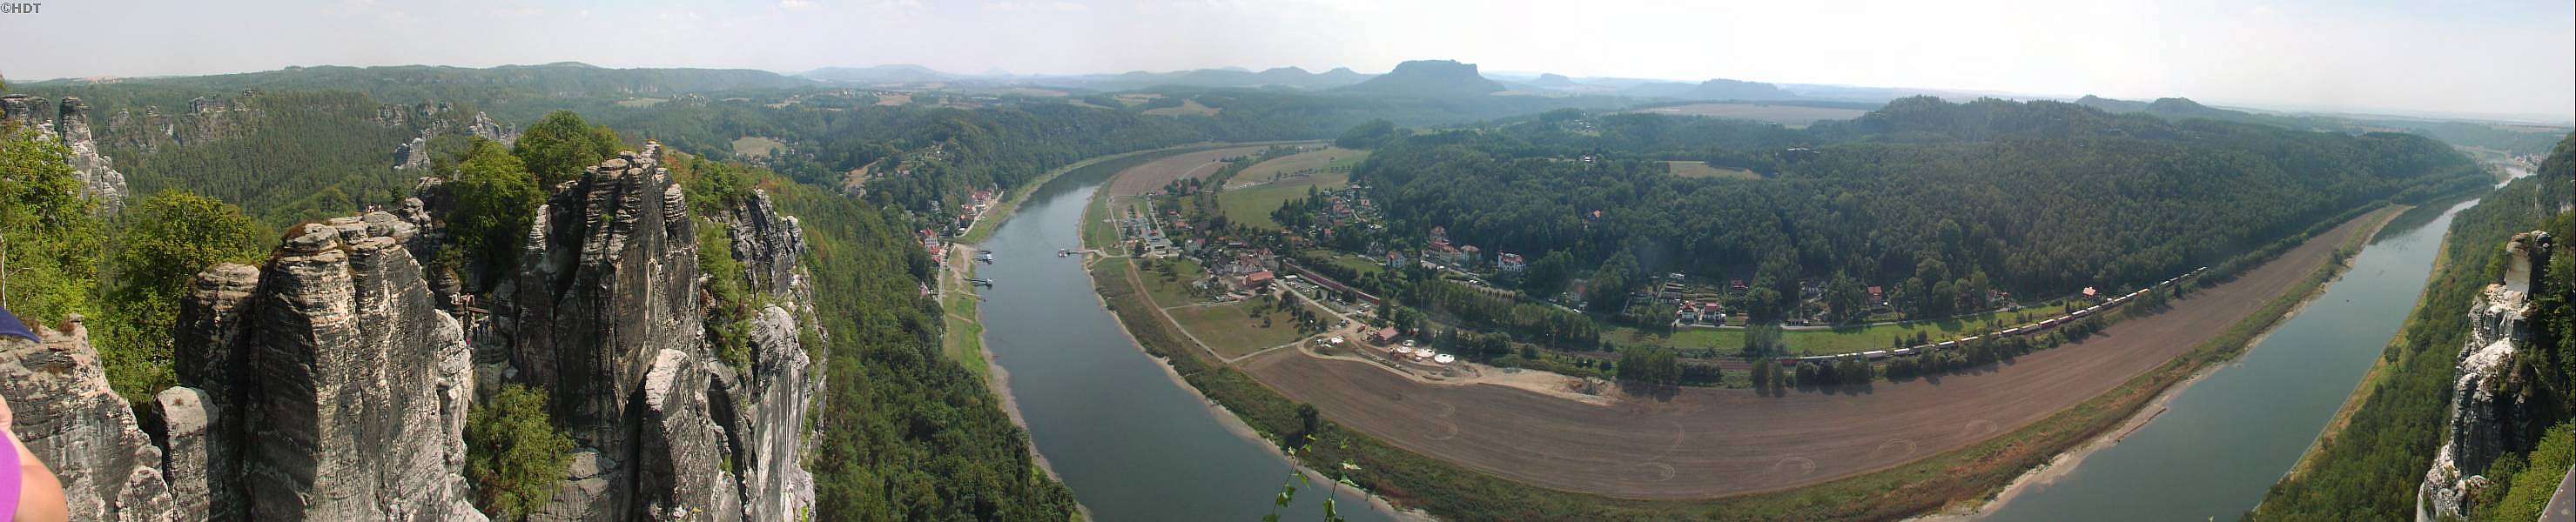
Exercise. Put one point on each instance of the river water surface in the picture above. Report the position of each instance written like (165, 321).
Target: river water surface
(1132, 443)
(2227, 437)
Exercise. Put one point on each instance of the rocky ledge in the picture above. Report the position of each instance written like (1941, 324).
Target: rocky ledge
(2489, 411)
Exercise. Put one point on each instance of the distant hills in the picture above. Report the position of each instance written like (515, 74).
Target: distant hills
(2166, 107)
(895, 73)
(1228, 77)
(1718, 89)
(1428, 78)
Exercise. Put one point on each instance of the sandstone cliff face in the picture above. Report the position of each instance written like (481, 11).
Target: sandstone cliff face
(98, 178)
(327, 386)
(332, 383)
(206, 118)
(783, 381)
(2488, 410)
(70, 124)
(68, 417)
(608, 313)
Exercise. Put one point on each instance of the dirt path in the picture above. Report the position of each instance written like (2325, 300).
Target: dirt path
(1705, 443)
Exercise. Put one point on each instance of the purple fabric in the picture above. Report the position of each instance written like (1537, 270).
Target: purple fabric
(8, 478)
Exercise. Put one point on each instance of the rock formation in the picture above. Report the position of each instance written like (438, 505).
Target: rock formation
(333, 383)
(327, 386)
(70, 125)
(206, 118)
(414, 154)
(608, 314)
(98, 178)
(64, 411)
(783, 381)
(2488, 408)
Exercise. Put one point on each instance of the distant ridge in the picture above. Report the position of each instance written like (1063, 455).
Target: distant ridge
(1554, 81)
(892, 73)
(1716, 89)
(1428, 78)
(2166, 107)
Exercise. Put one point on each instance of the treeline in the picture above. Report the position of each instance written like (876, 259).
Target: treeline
(2372, 465)
(1942, 202)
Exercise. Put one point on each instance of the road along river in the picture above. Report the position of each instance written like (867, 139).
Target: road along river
(1130, 439)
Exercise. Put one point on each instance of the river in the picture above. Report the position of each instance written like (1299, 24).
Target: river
(2227, 437)
(1131, 442)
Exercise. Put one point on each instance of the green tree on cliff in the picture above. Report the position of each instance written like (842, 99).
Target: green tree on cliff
(557, 147)
(514, 454)
(49, 235)
(496, 201)
(162, 242)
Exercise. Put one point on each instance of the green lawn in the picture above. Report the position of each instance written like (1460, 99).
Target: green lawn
(1232, 330)
(1173, 290)
(1701, 169)
(1252, 205)
(755, 146)
(1357, 264)
(964, 341)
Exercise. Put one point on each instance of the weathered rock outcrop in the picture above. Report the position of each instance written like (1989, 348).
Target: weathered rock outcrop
(2488, 409)
(68, 417)
(414, 154)
(608, 313)
(783, 381)
(99, 178)
(70, 125)
(207, 118)
(333, 383)
(327, 386)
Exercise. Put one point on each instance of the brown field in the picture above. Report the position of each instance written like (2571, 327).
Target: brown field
(1701, 169)
(1189, 107)
(890, 100)
(1152, 175)
(1788, 115)
(1703, 443)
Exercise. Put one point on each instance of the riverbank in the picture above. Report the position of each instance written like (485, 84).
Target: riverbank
(1126, 276)
(992, 218)
(1977, 470)
(2067, 462)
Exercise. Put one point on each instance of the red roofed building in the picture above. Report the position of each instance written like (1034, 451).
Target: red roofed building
(1257, 280)
(1383, 335)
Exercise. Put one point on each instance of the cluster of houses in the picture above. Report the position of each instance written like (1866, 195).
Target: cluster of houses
(935, 241)
(2027, 329)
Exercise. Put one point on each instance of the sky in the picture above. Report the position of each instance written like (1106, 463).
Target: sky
(2491, 58)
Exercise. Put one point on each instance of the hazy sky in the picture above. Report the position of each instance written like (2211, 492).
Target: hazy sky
(2494, 57)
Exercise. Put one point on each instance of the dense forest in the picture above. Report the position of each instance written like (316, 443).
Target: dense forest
(1940, 201)
(2371, 466)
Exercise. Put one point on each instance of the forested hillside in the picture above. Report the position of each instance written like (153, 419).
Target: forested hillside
(2370, 467)
(297, 156)
(909, 434)
(1941, 201)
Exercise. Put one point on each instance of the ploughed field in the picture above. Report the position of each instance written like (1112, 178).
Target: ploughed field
(1153, 175)
(1704, 442)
